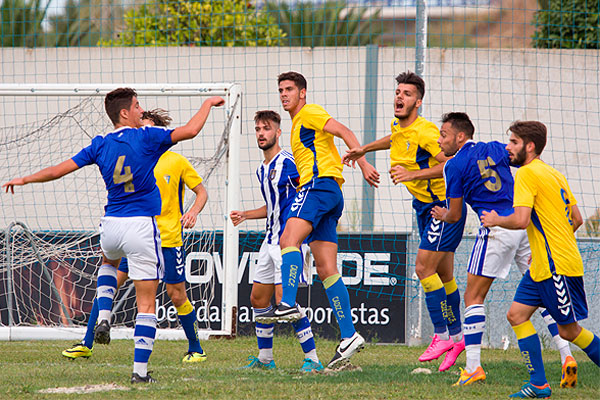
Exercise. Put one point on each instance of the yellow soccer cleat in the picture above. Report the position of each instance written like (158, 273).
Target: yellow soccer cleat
(79, 350)
(466, 378)
(194, 357)
(569, 373)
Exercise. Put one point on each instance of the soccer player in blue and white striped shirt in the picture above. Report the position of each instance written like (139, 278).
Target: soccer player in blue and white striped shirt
(278, 179)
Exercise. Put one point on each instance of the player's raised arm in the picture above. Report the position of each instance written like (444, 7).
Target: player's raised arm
(340, 130)
(44, 175)
(237, 217)
(195, 125)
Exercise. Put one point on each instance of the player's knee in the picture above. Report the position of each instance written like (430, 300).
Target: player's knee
(513, 318)
(569, 333)
(258, 302)
(177, 295)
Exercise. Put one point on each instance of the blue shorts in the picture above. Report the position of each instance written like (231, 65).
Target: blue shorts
(319, 202)
(563, 297)
(437, 235)
(174, 264)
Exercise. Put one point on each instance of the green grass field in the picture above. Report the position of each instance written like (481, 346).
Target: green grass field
(27, 367)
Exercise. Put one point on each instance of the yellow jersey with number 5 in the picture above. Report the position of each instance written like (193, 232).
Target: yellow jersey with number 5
(415, 148)
(551, 237)
(173, 172)
(314, 152)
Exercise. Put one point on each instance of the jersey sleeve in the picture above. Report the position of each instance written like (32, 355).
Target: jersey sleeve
(453, 179)
(315, 118)
(87, 155)
(156, 138)
(290, 174)
(189, 174)
(525, 188)
(428, 138)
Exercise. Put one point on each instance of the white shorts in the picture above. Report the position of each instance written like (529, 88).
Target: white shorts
(268, 267)
(136, 238)
(494, 250)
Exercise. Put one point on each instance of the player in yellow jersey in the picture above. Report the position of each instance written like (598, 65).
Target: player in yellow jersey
(417, 161)
(546, 207)
(171, 172)
(315, 211)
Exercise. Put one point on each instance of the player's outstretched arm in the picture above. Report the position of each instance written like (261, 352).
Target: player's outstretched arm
(340, 130)
(188, 220)
(355, 153)
(450, 215)
(45, 175)
(237, 217)
(400, 174)
(194, 126)
(520, 219)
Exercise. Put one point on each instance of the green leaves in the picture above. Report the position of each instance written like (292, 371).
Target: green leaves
(21, 23)
(332, 23)
(225, 23)
(568, 24)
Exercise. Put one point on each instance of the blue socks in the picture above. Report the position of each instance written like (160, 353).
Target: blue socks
(531, 350)
(339, 300)
(88, 339)
(291, 268)
(143, 337)
(106, 290)
(187, 319)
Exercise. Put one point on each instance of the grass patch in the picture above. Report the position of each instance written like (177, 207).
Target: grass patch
(27, 367)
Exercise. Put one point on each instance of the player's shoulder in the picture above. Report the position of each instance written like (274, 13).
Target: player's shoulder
(286, 156)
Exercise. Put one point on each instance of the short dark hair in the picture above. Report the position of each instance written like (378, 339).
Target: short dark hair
(267, 116)
(295, 77)
(411, 78)
(531, 131)
(460, 121)
(159, 116)
(118, 100)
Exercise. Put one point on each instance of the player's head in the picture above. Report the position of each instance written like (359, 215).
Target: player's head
(123, 108)
(409, 95)
(527, 141)
(266, 126)
(456, 129)
(156, 117)
(292, 91)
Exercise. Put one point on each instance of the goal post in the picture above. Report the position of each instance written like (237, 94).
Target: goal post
(49, 239)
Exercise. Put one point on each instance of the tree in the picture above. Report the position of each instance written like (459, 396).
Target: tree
(197, 23)
(83, 23)
(332, 23)
(568, 24)
(21, 23)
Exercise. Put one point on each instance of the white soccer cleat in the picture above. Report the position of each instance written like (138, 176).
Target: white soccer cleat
(346, 349)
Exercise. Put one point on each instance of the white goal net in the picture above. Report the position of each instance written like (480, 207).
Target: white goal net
(49, 240)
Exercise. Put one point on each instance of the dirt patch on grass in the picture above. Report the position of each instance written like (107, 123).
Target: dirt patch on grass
(106, 387)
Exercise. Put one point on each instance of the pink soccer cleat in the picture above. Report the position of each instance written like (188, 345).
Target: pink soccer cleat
(436, 349)
(452, 355)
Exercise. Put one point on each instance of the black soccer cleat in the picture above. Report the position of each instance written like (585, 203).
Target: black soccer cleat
(135, 378)
(280, 313)
(102, 332)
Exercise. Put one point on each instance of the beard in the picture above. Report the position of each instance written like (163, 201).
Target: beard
(406, 111)
(268, 144)
(519, 158)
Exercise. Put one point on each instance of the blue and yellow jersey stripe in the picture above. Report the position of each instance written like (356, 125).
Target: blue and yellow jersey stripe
(415, 148)
(553, 245)
(314, 152)
(173, 173)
